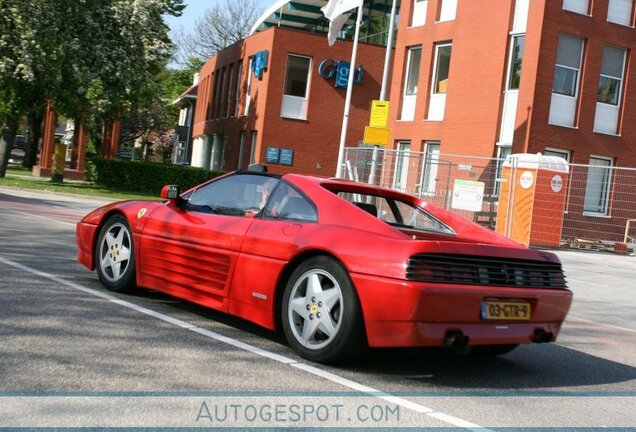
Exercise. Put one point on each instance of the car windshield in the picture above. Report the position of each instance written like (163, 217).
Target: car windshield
(397, 213)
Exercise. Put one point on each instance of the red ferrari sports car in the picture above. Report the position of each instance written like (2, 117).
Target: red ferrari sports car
(339, 266)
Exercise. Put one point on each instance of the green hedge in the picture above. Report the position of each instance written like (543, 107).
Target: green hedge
(144, 177)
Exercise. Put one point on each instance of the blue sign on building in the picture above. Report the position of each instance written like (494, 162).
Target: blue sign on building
(259, 63)
(339, 70)
(286, 157)
(272, 155)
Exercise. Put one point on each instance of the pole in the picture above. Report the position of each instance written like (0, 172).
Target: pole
(389, 50)
(347, 108)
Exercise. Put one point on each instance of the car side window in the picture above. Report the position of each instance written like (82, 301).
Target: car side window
(288, 204)
(237, 195)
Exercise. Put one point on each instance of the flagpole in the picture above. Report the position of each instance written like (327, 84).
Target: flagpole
(347, 108)
(387, 56)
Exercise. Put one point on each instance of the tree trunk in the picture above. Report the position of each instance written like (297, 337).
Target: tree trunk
(6, 143)
(33, 139)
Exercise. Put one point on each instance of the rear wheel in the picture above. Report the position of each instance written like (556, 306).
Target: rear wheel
(321, 313)
(115, 255)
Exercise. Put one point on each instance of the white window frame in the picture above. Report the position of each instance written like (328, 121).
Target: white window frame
(435, 65)
(418, 17)
(447, 10)
(577, 85)
(409, 101)
(574, 9)
(241, 154)
(620, 80)
(565, 154)
(237, 96)
(304, 101)
(501, 158)
(511, 51)
(248, 89)
(429, 172)
(253, 147)
(228, 110)
(630, 22)
(401, 173)
(607, 188)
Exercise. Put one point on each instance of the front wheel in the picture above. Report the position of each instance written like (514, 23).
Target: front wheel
(321, 313)
(115, 255)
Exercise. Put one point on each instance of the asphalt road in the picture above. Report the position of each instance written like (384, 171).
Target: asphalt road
(73, 354)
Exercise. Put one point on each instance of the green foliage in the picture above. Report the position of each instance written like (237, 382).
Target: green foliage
(144, 177)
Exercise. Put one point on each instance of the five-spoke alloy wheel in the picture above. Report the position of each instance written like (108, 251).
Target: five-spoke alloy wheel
(114, 255)
(321, 312)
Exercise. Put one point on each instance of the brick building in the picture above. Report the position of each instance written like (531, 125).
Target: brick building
(272, 98)
(491, 77)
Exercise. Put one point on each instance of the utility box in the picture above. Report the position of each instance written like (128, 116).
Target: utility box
(59, 156)
(532, 199)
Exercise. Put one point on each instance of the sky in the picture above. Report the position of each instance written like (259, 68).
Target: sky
(196, 8)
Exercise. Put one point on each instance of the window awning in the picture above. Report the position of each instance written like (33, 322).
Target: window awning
(305, 15)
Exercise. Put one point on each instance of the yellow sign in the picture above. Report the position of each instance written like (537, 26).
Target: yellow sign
(374, 135)
(379, 114)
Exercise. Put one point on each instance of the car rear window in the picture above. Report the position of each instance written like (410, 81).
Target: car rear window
(397, 213)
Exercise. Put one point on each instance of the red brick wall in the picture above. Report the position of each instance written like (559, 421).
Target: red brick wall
(315, 140)
(581, 141)
(479, 35)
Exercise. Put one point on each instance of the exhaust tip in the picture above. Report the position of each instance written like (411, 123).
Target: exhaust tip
(542, 336)
(456, 340)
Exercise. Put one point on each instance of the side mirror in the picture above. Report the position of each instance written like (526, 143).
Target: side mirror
(171, 193)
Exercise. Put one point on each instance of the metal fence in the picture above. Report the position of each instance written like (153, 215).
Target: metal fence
(597, 210)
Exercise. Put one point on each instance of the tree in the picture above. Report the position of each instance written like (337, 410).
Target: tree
(85, 56)
(218, 28)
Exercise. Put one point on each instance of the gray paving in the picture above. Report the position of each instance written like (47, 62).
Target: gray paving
(60, 343)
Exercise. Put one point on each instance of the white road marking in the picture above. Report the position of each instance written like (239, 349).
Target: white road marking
(353, 385)
(46, 218)
(600, 324)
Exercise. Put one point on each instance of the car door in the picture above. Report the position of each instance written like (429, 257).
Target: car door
(190, 251)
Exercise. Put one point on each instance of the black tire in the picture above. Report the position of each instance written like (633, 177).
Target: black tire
(115, 255)
(492, 350)
(335, 309)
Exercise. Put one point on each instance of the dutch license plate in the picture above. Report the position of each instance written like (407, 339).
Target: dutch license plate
(498, 310)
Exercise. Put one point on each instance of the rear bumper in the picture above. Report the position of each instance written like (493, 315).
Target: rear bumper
(400, 313)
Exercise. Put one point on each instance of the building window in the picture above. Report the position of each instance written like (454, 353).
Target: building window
(597, 188)
(419, 13)
(239, 165)
(620, 12)
(253, 147)
(504, 152)
(237, 92)
(568, 66)
(447, 10)
(565, 154)
(565, 84)
(223, 98)
(428, 180)
(230, 87)
(248, 89)
(612, 66)
(439, 86)
(608, 95)
(413, 71)
(516, 57)
(442, 67)
(402, 165)
(411, 82)
(296, 90)
(578, 6)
